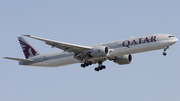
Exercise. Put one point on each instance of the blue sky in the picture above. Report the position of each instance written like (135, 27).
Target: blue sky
(150, 77)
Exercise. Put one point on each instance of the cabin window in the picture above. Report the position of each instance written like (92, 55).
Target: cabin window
(171, 36)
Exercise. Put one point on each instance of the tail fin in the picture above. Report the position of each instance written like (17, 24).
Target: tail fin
(28, 50)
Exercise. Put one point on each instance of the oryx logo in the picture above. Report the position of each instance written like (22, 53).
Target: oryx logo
(27, 49)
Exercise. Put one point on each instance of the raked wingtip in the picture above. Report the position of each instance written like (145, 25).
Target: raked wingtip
(27, 35)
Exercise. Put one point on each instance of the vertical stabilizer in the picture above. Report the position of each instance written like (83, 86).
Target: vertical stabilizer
(28, 50)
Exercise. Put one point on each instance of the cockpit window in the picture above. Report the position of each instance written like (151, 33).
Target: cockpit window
(171, 36)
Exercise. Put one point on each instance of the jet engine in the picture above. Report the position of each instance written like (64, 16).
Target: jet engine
(100, 51)
(125, 59)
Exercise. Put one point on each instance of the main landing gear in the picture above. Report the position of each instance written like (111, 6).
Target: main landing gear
(164, 53)
(100, 67)
(86, 63)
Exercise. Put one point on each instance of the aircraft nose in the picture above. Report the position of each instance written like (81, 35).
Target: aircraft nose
(173, 40)
(176, 39)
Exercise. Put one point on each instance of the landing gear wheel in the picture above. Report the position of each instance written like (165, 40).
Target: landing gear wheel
(82, 65)
(86, 64)
(90, 63)
(96, 69)
(103, 67)
(164, 53)
(100, 68)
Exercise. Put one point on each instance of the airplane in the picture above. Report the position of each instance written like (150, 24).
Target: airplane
(116, 51)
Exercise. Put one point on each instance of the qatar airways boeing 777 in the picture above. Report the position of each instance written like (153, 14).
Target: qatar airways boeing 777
(117, 51)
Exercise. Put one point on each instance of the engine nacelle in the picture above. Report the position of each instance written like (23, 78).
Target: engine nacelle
(100, 51)
(125, 59)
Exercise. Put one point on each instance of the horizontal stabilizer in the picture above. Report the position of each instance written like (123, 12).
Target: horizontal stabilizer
(18, 59)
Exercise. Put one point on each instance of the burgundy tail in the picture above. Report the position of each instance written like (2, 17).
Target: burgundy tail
(28, 50)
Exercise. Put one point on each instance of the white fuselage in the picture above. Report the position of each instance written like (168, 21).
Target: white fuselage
(121, 47)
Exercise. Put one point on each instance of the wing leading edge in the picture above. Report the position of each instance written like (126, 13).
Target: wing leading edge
(64, 46)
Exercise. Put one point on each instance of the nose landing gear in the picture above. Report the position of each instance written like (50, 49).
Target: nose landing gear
(164, 53)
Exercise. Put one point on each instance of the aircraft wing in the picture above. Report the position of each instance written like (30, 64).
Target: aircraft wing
(18, 59)
(64, 46)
